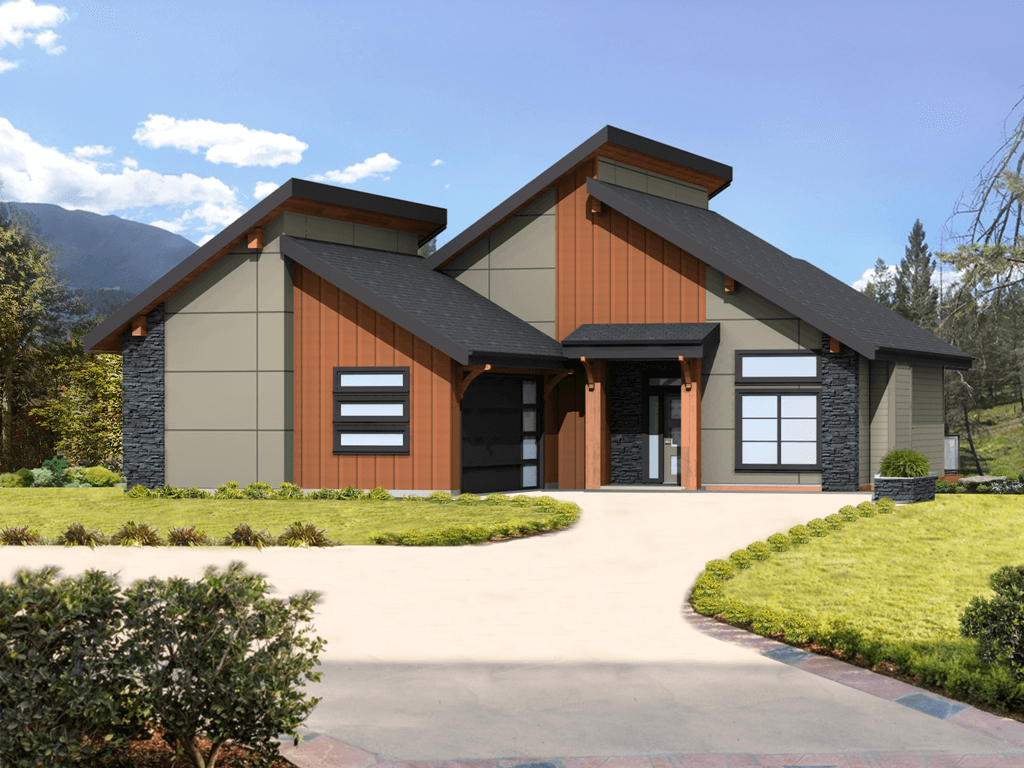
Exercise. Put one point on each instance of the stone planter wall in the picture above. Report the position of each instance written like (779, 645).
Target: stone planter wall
(905, 489)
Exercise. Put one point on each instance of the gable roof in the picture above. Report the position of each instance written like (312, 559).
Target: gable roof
(435, 307)
(296, 196)
(607, 135)
(797, 286)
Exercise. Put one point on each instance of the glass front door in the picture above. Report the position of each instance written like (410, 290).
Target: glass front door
(663, 437)
(671, 432)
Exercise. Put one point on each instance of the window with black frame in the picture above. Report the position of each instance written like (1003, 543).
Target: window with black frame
(371, 410)
(778, 430)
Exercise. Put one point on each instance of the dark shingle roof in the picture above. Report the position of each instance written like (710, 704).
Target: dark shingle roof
(797, 286)
(431, 305)
(640, 333)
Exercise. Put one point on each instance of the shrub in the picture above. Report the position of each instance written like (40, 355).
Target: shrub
(140, 492)
(982, 488)
(818, 527)
(167, 491)
(867, 509)
(61, 683)
(440, 497)
(998, 623)
(885, 506)
(133, 534)
(42, 478)
(351, 493)
(193, 493)
(468, 498)
(719, 569)
(222, 661)
(100, 477)
(304, 535)
(26, 476)
(849, 513)
(228, 491)
(77, 536)
(799, 534)
(56, 465)
(188, 536)
(497, 498)
(943, 486)
(759, 550)
(20, 536)
(903, 462)
(379, 494)
(834, 522)
(290, 491)
(324, 494)
(12, 480)
(74, 475)
(741, 558)
(522, 501)
(258, 491)
(244, 536)
(778, 542)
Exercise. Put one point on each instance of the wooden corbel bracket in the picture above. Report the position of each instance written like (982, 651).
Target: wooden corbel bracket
(834, 346)
(255, 237)
(730, 284)
(590, 373)
(687, 373)
(473, 371)
(552, 379)
(139, 325)
(595, 205)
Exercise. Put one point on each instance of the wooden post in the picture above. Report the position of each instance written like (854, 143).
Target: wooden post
(689, 433)
(594, 427)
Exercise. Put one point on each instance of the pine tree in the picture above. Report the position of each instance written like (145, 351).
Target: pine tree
(914, 297)
(880, 287)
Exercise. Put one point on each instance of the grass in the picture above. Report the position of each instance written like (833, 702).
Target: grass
(49, 511)
(904, 580)
(999, 439)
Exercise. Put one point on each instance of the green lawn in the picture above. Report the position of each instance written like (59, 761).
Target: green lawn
(49, 511)
(902, 581)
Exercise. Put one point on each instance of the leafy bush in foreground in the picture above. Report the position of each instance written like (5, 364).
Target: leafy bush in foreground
(188, 536)
(304, 535)
(903, 462)
(77, 536)
(132, 534)
(998, 623)
(20, 536)
(244, 536)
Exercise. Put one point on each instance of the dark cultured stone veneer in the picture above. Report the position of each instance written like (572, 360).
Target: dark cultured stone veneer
(905, 489)
(142, 429)
(840, 455)
(627, 421)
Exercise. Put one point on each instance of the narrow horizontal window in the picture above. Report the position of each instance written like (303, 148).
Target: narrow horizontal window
(365, 410)
(349, 380)
(371, 439)
(777, 368)
(370, 409)
(371, 380)
(368, 438)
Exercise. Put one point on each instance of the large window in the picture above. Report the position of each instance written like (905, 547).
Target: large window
(777, 367)
(371, 410)
(778, 430)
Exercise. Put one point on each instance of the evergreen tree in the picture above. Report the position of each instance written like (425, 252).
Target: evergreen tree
(914, 297)
(880, 287)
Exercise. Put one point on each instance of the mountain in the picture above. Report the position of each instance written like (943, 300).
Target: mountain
(102, 253)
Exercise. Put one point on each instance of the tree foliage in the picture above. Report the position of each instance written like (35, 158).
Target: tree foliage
(914, 297)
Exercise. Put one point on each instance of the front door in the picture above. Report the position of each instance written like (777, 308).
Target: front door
(663, 436)
(671, 433)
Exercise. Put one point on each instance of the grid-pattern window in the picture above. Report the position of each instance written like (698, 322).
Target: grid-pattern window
(778, 430)
(371, 413)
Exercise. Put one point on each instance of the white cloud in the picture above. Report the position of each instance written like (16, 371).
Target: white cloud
(6, 65)
(224, 142)
(128, 162)
(436, 163)
(446, 186)
(378, 165)
(264, 188)
(170, 226)
(31, 172)
(205, 240)
(950, 276)
(18, 18)
(93, 150)
(869, 274)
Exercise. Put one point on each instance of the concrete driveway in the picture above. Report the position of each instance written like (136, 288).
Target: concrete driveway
(572, 643)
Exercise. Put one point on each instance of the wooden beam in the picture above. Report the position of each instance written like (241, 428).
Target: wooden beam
(590, 373)
(255, 237)
(473, 372)
(595, 439)
(687, 375)
(551, 381)
(834, 346)
(139, 325)
(730, 285)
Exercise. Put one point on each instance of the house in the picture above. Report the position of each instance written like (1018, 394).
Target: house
(601, 326)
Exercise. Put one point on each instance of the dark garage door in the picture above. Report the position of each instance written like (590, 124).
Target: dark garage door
(501, 434)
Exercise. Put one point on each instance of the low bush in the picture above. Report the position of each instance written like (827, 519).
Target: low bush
(818, 527)
(759, 550)
(903, 462)
(799, 534)
(140, 492)
(849, 513)
(167, 491)
(20, 536)
(778, 542)
(867, 509)
(439, 497)
(351, 493)
(497, 498)
(261, 491)
(74, 475)
(380, 494)
(720, 569)
(834, 522)
(244, 536)
(741, 558)
(56, 465)
(228, 491)
(305, 535)
(328, 494)
(188, 536)
(132, 534)
(77, 536)
(16, 479)
(100, 477)
(290, 491)
(885, 506)
(42, 478)
(468, 498)
(943, 486)
(193, 493)
(998, 623)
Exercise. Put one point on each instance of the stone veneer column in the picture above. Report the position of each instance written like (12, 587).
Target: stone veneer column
(840, 432)
(142, 410)
(627, 418)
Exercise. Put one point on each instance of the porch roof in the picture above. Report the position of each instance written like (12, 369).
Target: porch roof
(642, 341)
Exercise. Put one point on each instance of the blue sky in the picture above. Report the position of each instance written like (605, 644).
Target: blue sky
(842, 122)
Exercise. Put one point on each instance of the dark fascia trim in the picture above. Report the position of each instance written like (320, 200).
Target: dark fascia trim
(885, 354)
(711, 333)
(293, 250)
(607, 135)
(635, 352)
(501, 360)
(298, 188)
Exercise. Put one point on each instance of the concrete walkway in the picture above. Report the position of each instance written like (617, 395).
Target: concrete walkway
(572, 644)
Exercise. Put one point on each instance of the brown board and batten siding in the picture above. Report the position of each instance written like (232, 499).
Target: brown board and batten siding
(333, 329)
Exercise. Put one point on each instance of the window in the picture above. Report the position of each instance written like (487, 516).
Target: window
(777, 367)
(778, 430)
(371, 410)
(531, 435)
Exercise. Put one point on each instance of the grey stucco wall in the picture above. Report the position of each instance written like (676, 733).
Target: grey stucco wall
(514, 266)
(142, 411)
(840, 419)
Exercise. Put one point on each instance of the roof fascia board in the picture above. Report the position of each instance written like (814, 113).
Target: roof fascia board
(498, 359)
(294, 250)
(607, 135)
(710, 333)
(603, 192)
(660, 352)
(298, 188)
(884, 354)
